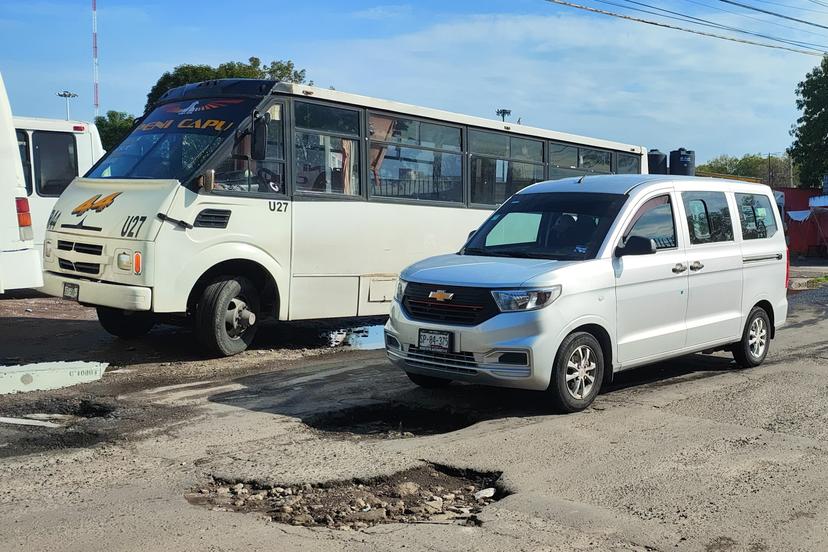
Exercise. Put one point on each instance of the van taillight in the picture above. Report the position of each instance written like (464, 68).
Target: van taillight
(24, 218)
(787, 268)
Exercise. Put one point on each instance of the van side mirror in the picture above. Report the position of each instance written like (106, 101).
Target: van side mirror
(636, 245)
(207, 181)
(258, 149)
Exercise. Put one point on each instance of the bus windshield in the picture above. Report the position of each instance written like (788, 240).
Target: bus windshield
(557, 225)
(175, 139)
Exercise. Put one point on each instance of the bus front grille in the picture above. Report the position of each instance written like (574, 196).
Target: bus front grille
(85, 268)
(85, 248)
(468, 306)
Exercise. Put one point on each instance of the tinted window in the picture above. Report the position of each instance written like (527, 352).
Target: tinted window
(569, 226)
(326, 164)
(756, 216)
(489, 143)
(55, 161)
(628, 164)
(495, 180)
(563, 156)
(326, 118)
(414, 173)
(385, 128)
(23, 144)
(236, 172)
(526, 150)
(708, 217)
(655, 221)
(595, 160)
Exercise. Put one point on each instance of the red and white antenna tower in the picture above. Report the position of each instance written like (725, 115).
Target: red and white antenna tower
(95, 76)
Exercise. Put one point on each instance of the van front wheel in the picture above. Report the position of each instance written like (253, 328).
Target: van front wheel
(125, 324)
(578, 372)
(226, 315)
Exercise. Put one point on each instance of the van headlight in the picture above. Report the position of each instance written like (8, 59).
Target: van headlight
(511, 300)
(401, 285)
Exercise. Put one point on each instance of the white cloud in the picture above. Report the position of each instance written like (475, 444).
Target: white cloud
(599, 77)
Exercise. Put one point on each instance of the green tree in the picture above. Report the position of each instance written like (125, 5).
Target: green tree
(773, 170)
(113, 128)
(253, 69)
(810, 133)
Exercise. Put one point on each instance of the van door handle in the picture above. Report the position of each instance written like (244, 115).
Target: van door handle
(679, 268)
(696, 266)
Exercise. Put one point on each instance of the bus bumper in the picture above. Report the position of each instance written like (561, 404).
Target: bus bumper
(20, 269)
(117, 296)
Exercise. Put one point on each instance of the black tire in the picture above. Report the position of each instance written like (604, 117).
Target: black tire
(428, 382)
(563, 398)
(125, 324)
(747, 352)
(211, 312)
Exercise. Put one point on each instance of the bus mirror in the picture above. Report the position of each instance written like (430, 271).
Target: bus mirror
(258, 150)
(207, 181)
(472, 233)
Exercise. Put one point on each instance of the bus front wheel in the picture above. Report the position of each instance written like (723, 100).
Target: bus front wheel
(226, 315)
(125, 324)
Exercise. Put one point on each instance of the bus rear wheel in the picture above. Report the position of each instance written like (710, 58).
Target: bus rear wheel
(125, 324)
(226, 315)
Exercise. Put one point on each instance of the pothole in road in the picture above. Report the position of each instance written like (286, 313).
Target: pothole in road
(431, 493)
(390, 421)
(59, 409)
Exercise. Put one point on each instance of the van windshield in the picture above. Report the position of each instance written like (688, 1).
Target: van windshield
(556, 225)
(175, 139)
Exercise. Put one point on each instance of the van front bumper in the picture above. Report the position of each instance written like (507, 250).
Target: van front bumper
(119, 296)
(476, 350)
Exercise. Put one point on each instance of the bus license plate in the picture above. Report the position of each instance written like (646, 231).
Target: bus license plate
(434, 340)
(70, 291)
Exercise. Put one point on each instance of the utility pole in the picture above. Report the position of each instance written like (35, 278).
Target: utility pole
(503, 113)
(67, 96)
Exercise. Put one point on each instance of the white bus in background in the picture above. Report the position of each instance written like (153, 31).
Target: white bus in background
(19, 261)
(54, 152)
(233, 200)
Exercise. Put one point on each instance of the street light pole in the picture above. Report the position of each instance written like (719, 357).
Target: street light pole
(67, 96)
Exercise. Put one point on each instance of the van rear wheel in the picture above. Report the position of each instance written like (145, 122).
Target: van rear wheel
(578, 372)
(125, 324)
(753, 348)
(226, 315)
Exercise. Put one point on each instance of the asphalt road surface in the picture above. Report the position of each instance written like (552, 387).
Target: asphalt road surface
(691, 454)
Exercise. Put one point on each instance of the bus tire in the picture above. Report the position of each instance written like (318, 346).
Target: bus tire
(226, 315)
(125, 324)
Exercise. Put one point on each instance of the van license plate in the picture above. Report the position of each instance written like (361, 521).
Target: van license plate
(434, 340)
(70, 291)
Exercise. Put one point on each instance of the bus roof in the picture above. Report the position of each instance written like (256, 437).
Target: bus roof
(260, 87)
(40, 123)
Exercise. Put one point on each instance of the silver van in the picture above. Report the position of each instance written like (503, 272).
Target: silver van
(573, 280)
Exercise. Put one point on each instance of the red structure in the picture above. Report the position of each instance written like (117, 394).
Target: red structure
(808, 237)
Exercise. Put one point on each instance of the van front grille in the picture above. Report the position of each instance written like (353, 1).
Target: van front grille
(468, 306)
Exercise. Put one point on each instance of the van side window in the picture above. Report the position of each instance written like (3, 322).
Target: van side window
(708, 217)
(23, 144)
(654, 220)
(326, 146)
(55, 161)
(756, 216)
(237, 173)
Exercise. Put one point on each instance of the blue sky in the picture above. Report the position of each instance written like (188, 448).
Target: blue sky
(554, 67)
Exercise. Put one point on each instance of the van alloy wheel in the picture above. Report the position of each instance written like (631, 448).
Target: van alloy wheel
(758, 337)
(580, 372)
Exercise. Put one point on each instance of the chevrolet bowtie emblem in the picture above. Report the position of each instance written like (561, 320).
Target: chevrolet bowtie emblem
(440, 295)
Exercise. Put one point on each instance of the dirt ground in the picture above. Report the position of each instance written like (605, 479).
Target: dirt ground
(174, 451)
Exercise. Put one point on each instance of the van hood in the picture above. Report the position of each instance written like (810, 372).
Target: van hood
(478, 271)
(124, 209)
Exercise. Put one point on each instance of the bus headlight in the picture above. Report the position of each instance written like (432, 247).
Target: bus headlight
(124, 261)
(401, 285)
(47, 249)
(511, 300)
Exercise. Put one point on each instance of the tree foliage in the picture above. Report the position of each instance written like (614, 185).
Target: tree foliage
(253, 69)
(113, 128)
(775, 171)
(810, 145)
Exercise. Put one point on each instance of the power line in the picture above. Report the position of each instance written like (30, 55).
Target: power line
(783, 16)
(794, 7)
(762, 21)
(709, 23)
(683, 29)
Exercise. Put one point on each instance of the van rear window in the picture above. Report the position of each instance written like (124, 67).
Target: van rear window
(756, 216)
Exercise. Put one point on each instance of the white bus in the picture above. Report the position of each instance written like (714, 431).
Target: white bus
(237, 199)
(54, 152)
(19, 260)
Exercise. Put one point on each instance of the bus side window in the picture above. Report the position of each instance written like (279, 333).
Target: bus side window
(55, 161)
(326, 157)
(23, 144)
